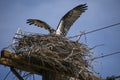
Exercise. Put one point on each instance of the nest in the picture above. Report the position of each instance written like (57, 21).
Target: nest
(57, 53)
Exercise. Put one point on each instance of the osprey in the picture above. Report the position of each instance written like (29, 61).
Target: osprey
(65, 23)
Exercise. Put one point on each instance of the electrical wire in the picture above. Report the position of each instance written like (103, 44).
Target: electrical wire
(105, 55)
(7, 75)
(113, 25)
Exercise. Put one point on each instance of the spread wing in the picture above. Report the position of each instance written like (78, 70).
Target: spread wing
(69, 18)
(41, 24)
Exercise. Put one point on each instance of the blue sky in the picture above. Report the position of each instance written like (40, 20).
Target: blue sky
(100, 13)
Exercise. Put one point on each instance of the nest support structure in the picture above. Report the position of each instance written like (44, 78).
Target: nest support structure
(44, 54)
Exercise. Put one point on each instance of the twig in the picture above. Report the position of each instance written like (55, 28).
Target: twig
(69, 55)
(81, 32)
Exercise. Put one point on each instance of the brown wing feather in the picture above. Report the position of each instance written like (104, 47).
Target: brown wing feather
(41, 24)
(69, 18)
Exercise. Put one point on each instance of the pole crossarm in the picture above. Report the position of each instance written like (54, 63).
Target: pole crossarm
(13, 60)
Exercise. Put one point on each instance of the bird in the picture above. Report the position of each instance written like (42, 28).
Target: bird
(65, 22)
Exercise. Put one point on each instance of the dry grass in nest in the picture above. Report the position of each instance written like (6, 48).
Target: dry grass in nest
(59, 53)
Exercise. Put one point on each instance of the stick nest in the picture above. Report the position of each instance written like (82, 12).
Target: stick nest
(56, 53)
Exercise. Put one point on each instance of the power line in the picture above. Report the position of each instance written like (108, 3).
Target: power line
(113, 25)
(112, 77)
(105, 55)
(7, 75)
